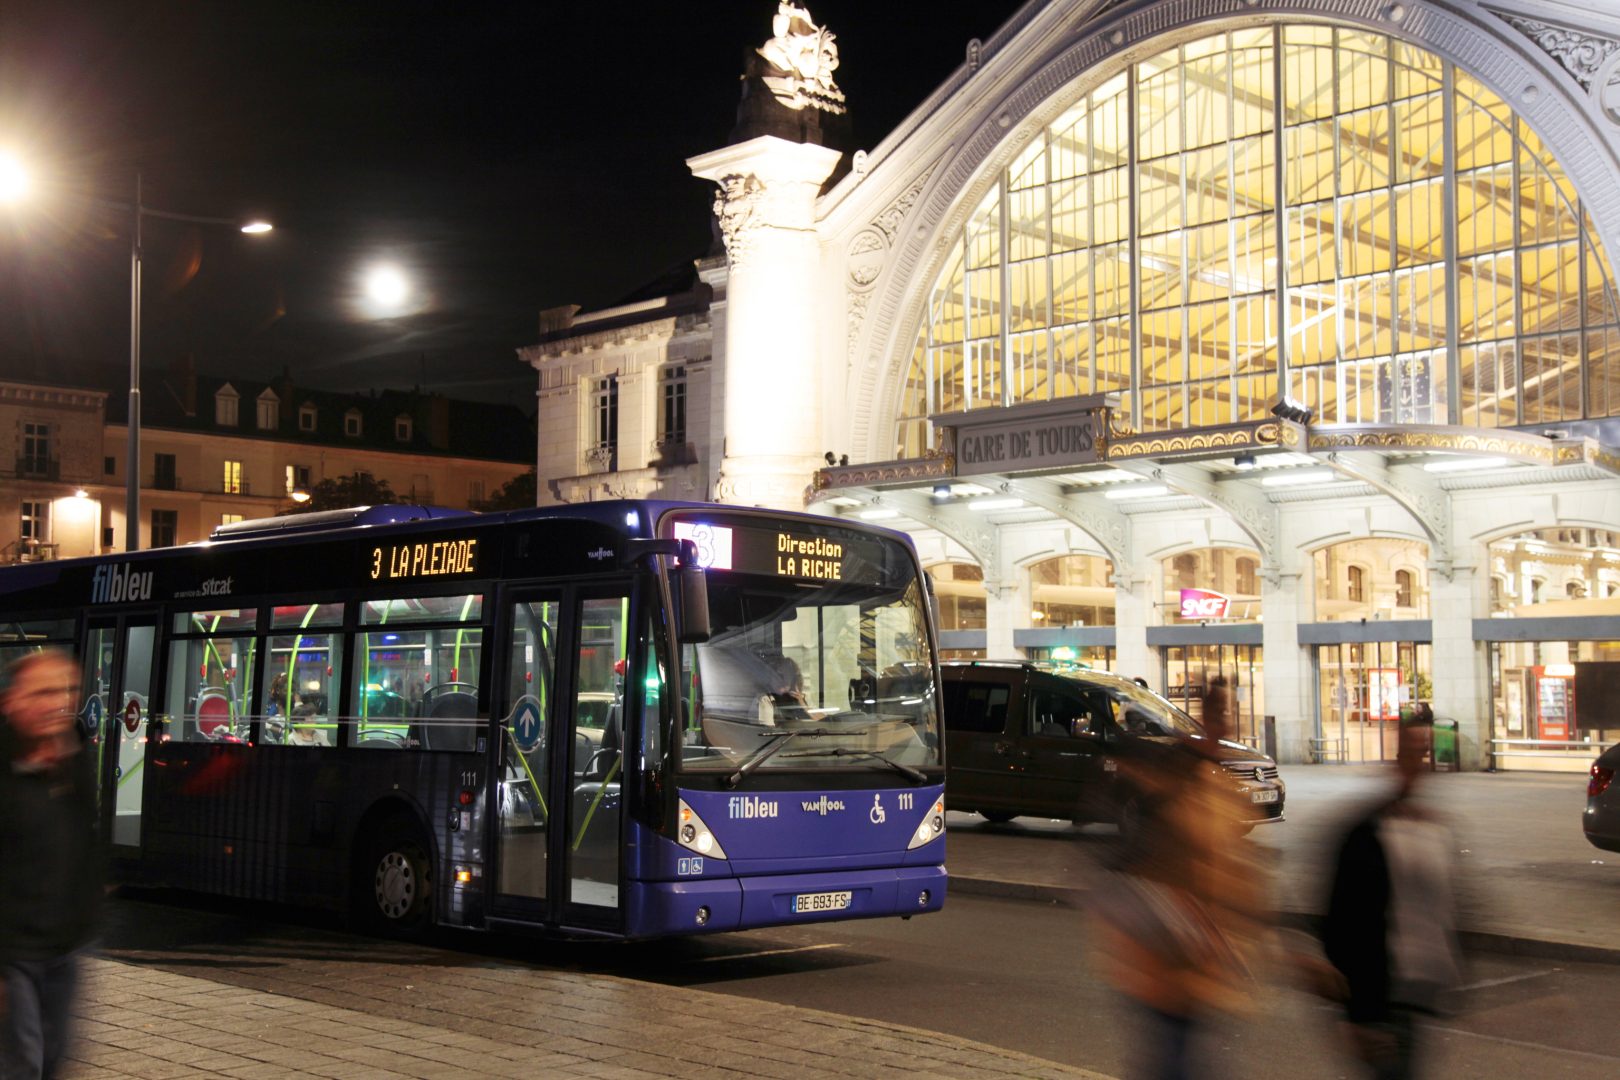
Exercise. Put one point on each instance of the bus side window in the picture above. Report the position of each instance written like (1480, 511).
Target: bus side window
(416, 686)
(210, 677)
(301, 678)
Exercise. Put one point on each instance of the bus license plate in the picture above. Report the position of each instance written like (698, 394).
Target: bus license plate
(1268, 795)
(820, 901)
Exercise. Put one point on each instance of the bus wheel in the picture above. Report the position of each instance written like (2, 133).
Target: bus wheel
(996, 817)
(394, 883)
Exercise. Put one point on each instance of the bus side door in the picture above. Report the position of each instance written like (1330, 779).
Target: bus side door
(118, 658)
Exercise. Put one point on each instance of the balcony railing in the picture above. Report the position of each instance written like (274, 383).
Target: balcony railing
(669, 453)
(602, 458)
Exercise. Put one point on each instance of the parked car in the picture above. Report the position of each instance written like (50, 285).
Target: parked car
(1602, 817)
(1022, 738)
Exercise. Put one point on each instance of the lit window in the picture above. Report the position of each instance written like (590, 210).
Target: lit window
(232, 481)
(225, 403)
(1355, 584)
(1403, 588)
(229, 519)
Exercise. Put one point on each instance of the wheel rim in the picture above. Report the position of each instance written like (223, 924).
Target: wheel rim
(396, 885)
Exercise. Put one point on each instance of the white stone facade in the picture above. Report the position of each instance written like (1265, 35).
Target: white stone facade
(803, 346)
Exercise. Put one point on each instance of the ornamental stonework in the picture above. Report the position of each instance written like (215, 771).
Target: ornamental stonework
(1579, 53)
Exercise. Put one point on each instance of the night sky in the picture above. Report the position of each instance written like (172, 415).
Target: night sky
(509, 156)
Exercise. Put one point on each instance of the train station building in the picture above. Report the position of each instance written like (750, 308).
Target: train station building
(1277, 340)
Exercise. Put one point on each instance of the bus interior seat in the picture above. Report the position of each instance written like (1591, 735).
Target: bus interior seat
(584, 750)
(213, 714)
(450, 733)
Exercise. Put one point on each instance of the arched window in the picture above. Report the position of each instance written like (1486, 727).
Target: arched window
(1132, 247)
(1535, 590)
(1496, 593)
(1185, 568)
(1574, 589)
(1072, 590)
(1246, 577)
(1403, 588)
(959, 588)
(1355, 584)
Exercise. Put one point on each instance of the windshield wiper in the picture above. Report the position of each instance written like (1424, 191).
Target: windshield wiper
(843, 751)
(775, 742)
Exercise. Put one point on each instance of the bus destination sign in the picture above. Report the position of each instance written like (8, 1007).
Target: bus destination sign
(809, 557)
(785, 553)
(424, 559)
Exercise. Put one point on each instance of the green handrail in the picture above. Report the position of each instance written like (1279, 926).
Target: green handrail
(524, 761)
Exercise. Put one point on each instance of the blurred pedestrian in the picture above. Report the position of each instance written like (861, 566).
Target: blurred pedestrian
(1182, 916)
(50, 881)
(1391, 921)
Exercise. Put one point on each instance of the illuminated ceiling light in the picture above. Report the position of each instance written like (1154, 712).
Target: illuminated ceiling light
(1464, 464)
(988, 505)
(942, 491)
(1243, 461)
(879, 514)
(1299, 478)
(255, 228)
(80, 493)
(1137, 491)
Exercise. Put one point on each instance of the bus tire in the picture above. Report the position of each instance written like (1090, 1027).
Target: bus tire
(997, 817)
(393, 892)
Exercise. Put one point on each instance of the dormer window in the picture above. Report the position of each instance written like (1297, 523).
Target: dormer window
(306, 417)
(226, 400)
(351, 423)
(402, 428)
(269, 411)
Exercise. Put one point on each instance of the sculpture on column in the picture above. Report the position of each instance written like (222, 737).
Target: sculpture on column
(806, 55)
(735, 206)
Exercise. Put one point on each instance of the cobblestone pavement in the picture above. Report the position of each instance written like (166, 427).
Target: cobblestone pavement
(461, 1017)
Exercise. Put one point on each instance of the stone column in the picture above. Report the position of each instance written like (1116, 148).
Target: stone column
(1286, 599)
(1002, 601)
(1459, 665)
(772, 406)
(1133, 604)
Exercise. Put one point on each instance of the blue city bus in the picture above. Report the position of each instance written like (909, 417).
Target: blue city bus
(622, 719)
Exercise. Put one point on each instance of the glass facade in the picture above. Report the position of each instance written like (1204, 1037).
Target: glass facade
(1319, 201)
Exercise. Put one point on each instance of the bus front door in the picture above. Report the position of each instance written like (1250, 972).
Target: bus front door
(118, 674)
(557, 774)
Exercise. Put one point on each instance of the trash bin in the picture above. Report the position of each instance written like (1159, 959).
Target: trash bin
(1445, 746)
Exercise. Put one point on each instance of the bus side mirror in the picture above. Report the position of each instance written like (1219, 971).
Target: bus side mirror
(694, 596)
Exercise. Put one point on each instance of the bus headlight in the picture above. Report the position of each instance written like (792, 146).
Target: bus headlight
(692, 834)
(932, 826)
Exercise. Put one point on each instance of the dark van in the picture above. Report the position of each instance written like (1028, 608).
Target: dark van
(1025, 739)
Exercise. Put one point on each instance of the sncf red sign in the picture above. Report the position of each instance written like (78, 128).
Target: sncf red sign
(1203, 604)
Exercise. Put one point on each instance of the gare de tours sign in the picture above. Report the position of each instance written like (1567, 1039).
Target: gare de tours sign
(1025, 438)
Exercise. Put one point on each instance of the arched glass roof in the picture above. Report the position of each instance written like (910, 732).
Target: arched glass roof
(1417, 257)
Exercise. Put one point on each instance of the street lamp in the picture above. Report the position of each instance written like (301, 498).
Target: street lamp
(132, 495)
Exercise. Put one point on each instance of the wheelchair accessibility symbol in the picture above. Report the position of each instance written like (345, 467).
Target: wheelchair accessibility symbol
(877, 815)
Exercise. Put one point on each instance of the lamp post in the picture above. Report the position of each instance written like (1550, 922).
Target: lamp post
(132, 493)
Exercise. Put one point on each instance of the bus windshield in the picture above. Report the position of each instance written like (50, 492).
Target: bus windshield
(847, 663)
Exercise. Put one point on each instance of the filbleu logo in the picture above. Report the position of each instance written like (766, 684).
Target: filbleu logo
(822, 806)
(751, 806)
(120, 584)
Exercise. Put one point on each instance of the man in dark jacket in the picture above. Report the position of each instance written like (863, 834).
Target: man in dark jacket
(50, 883)
(1390, 926)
